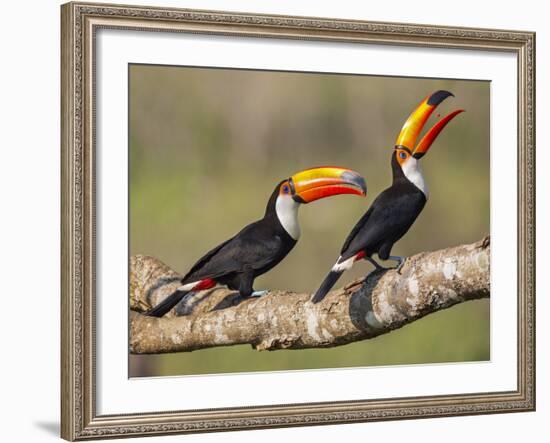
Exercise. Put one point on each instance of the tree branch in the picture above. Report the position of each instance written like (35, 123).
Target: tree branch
(428, 282)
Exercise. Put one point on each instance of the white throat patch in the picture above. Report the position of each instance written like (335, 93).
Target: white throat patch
(412, 170)
(287, 213)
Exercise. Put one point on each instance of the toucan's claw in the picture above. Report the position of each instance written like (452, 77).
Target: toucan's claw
(259, 293)
(378, 267)
(400, 262)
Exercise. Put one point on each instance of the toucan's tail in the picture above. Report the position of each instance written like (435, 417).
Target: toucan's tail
(168, 303)
(329, 281)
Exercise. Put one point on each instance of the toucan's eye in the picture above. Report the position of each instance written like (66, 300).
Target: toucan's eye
(402, 155)
(286, 189)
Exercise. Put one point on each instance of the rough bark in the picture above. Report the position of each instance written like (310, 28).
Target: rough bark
(428, 282)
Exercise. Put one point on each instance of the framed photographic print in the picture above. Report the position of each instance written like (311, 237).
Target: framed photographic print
(283, 221)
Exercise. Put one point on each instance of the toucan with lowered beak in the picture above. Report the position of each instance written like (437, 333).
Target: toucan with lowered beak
(394, 211)
(263, 244)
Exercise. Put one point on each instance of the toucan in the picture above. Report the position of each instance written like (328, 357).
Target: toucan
(261, 245)
(394, 211)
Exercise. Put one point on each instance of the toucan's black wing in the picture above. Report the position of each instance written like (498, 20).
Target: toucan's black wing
(255, 247)
(205, 259)
(387, 220)
(358, 226)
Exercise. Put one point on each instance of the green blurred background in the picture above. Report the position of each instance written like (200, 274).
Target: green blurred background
(208, 146)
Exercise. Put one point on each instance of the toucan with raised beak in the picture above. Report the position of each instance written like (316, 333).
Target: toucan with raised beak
(261, 245)
(394, 211)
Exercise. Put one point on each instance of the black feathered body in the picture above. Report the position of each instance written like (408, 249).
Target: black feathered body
(255, 250)
(236, 262)
(388, 219)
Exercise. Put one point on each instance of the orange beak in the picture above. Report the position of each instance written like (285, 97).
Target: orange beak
(316, 183)
(413, 126)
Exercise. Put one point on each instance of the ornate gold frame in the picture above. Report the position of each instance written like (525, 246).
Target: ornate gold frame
(80, 21)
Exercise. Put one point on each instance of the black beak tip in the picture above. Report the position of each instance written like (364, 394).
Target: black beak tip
(437, 97)
(363, 186)
(356, 179)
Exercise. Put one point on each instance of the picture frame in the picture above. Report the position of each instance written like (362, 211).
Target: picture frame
(80, 241)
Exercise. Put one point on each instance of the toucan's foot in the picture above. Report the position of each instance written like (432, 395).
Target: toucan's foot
(399, 266)
(400, 262)
(259, 293)
(377, 265)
